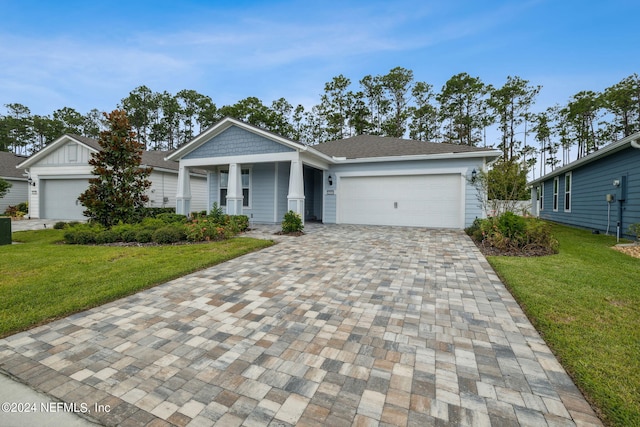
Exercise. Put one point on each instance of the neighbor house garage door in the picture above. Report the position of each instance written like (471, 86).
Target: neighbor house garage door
(414, 200)
(60, 198)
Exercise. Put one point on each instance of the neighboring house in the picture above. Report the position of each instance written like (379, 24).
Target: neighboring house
(18, 180)
(60, 172)
(598, 192)
(360, 180)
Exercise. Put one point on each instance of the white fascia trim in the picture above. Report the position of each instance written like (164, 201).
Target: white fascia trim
(635, 143)
(243, 159)
(477, 154)
(54, 145)
(313, 151)
(220, 127)
(310, 159)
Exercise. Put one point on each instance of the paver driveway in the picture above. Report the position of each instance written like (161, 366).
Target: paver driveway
(347, 325)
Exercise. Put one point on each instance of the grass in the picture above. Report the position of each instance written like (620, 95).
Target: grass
(41, 280)
(585, 301)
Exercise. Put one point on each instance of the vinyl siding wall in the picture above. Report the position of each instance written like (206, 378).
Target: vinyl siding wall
(18, 193)
(590, 185)
(235, 142)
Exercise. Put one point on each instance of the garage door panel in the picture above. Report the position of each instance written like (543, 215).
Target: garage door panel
(414, 200)
(60, 198)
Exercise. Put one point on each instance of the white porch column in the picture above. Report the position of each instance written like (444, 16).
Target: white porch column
(295, 198)
(183, 196)
(234, 190)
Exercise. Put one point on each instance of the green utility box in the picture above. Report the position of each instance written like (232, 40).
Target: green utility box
(5, 231)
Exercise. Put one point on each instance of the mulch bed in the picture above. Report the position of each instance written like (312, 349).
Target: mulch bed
(529, 251)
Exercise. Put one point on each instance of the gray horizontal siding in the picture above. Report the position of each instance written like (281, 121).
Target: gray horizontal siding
(262, 190)
(591, 183)
(235, 142)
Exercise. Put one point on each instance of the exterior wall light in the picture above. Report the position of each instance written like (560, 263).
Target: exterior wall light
(330, 180)
(474, 175)
(30, 181)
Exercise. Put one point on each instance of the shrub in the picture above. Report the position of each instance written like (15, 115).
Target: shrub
(126, 232)
(144, 235)
(511, 225)
(200, 230)
(154, 212)
(239, 223)
(152, 223)
(23, 207)
(60, 225)
(513, 234)
(168, 234)
(171, 218)
(80, 236)
(106, 236)
(635, 230)
(15, 212)
(217, 214)
(292, 223)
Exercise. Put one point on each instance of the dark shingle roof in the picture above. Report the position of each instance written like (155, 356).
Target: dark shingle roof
(8, 163)
(367, 146)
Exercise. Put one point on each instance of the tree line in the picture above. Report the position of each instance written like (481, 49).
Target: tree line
(393, 104)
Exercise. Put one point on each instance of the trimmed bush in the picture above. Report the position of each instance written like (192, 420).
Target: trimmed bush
(292, 223)
(60, 225)
(106, 236)
(172, 218)
(80, 237)
(152, 223)
(144, 236)
(126, 232)
(168, 234)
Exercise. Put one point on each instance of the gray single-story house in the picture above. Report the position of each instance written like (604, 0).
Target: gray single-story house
(361, 180)
(60, 172)
(600, 191)
(18, 180)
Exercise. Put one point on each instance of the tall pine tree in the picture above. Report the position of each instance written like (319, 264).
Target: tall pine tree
(117, 193)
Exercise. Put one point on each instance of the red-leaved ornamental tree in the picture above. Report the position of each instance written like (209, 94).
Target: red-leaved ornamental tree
(117, 193)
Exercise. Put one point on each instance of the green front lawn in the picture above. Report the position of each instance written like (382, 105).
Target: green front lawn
(585, 301)
(41, 280)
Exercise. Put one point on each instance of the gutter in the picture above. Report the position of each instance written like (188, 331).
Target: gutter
(635, 143)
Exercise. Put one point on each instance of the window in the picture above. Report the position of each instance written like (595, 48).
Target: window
(541, 196)
(224, 184)
(567, 192)
(556, 185)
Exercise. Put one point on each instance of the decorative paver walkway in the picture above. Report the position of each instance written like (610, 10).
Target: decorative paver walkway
(347, 325)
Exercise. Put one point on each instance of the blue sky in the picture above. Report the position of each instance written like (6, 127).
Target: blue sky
(89, 54)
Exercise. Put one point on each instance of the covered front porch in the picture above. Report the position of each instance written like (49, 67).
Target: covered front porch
(263, 191)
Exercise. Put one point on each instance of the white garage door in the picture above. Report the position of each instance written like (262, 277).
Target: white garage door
(60, 198)
(414, 200)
